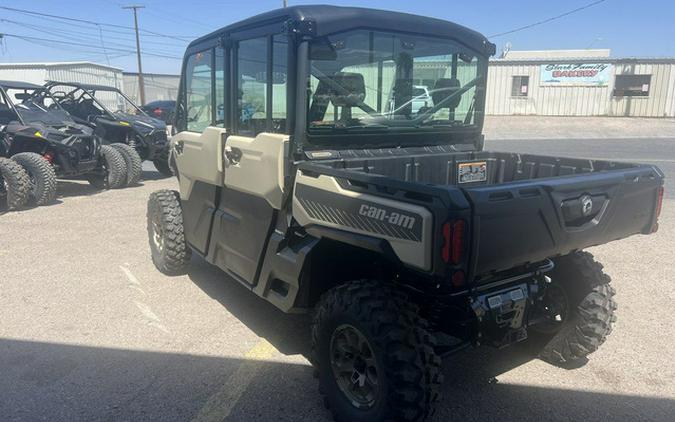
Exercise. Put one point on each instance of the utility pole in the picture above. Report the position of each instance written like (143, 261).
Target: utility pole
(141, 83)
(285, 3)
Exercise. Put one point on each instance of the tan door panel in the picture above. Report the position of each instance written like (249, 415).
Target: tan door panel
(199, 158)
(259, 167)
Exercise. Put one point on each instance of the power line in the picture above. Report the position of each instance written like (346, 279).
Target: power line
(27, 38)
(29, 12)
(80, 36)
(522, 28)
(41, 27)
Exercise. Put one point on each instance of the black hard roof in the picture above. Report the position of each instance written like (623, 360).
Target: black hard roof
(332, 19)
(19, 85)
(86, 87)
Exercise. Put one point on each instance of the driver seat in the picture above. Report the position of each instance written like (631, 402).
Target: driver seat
(444, 88)
(348, 90)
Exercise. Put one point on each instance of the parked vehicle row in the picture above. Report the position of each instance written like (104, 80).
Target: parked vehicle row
(62, 131)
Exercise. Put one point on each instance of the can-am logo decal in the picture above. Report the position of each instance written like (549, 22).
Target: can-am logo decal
(395, 218)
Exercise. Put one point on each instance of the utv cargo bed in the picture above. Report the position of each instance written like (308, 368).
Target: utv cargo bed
(524, 208)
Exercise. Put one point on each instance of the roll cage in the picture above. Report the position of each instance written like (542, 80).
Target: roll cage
(82, 91)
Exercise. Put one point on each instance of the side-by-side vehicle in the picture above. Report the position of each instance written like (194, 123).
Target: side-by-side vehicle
(39, 135)
(330, 159)
(115, 119)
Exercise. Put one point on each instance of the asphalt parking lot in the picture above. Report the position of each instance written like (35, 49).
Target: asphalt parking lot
(89, 330)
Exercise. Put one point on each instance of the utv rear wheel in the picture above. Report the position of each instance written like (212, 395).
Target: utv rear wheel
(579, 306)
(42, 177)
(375, 358)
(114, 170)
(162, 163)
(170, 252)
(133, 162)
(14, 184)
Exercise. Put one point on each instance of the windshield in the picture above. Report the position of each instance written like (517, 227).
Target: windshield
(367, 80)
(115, 102)
(37, 106)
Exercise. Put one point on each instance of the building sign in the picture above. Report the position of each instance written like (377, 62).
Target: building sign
(576, 74)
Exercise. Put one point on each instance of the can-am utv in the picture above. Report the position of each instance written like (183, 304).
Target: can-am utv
(334, 184)
(115, 118)
(38, 134)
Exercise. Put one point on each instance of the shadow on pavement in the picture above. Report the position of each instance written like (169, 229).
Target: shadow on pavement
(57, 382)
(152, 175)
(470, 392)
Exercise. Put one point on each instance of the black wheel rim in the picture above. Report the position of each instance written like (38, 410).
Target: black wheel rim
(354, 366)
(554, 307)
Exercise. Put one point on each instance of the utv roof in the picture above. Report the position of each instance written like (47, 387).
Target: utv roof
(19, 85)
(323, 20)
(86, 87)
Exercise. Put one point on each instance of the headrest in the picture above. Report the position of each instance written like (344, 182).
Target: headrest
(444, 88)
(349, 89)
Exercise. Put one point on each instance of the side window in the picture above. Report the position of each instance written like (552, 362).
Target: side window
(251, 83)
(632, 85)
(279, 82)
(220, 87)
(198, 91)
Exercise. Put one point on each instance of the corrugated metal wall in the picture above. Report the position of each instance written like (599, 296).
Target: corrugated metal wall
(547, 100)
(23, 73)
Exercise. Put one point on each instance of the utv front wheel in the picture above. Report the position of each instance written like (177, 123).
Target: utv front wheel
(133, 162)
(14, 184)
(376, 359)
(578, 310)
(113, 172)
(170, 252)
(42, 177)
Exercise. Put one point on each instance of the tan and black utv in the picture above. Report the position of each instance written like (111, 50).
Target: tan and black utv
(331, 160)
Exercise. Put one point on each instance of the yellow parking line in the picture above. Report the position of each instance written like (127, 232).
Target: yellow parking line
(220, 404)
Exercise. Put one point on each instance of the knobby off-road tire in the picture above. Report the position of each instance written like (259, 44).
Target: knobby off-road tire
(407, 369)
(114, 169)
(170, 252)
(14, 184)
(42, 177)
(162, 163)
(590, 310)
(133, 162)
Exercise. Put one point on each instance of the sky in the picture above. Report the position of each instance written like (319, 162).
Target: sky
(627, 27)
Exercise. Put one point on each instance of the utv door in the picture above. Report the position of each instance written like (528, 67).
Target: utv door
(197, 147)
(254, 157)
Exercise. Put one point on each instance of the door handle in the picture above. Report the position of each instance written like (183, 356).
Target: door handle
(231, 155)
(179, 147)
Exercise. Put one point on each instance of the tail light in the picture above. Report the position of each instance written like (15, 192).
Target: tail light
(157, 111)
(659, 206)
(49, 156)
(452, 251)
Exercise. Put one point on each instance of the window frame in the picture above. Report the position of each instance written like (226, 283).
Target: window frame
(268, 32)
(520, 86)
(632, 92)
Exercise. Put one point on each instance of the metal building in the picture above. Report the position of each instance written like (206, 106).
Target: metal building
(554, 83)
(157, 86)
(84, 72)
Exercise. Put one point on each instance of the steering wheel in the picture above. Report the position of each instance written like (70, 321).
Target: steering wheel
(59, 95)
